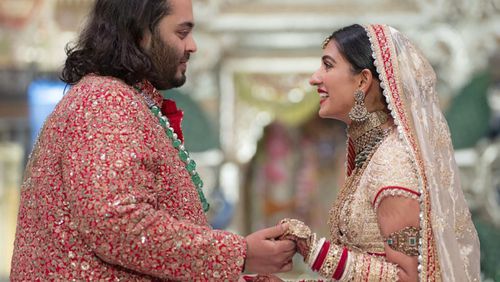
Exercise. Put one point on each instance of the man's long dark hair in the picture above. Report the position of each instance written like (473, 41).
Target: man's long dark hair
(109, 45)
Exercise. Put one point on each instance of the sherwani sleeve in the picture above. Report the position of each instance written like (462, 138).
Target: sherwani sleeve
(114, 174)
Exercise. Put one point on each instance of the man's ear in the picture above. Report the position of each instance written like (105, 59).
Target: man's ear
(366, 80)
(146, 40)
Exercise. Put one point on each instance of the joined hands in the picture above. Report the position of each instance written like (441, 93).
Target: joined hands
(266, 255)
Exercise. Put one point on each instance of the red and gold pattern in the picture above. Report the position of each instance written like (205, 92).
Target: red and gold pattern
(384, 52)
(106, 197)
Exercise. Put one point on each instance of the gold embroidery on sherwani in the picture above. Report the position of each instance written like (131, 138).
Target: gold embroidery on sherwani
(106, 197)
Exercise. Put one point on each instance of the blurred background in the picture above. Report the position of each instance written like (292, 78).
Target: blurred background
(265, 153)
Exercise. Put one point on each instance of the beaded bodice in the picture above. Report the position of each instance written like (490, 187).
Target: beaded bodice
(353, 219)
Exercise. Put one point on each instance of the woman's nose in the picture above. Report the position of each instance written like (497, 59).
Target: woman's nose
(314, 80)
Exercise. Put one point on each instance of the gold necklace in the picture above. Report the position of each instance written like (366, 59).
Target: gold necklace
(367, 137)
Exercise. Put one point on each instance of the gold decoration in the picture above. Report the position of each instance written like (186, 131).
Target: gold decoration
(405, 240)
(325, 42)
(359, 113)
(366, 135)
(374, 120)
(331, 261)
(296, 228)
(340, 214)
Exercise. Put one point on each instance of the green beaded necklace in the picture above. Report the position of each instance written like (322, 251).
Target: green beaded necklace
(177, 143)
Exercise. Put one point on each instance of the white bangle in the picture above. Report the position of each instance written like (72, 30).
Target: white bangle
(347, 269)
(316, 251)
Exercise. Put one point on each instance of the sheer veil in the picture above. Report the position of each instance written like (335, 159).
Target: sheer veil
(409, 86)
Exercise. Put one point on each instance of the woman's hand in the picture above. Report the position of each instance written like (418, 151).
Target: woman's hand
(301, 234)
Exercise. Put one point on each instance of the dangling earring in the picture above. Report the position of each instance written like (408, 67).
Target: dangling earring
(359, 113)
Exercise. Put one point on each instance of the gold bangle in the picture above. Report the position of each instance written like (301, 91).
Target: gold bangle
(331, 261)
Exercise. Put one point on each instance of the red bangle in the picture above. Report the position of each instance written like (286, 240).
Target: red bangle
(340, 267)
(321, 256)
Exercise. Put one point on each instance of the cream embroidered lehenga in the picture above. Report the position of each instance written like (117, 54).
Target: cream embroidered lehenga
(414, 158)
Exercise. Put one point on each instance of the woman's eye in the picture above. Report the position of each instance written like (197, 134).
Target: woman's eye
(327, 65)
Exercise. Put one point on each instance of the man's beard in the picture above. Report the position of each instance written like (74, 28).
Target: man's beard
(166, 61)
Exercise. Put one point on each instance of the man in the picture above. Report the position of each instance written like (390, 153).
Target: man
(109, 192)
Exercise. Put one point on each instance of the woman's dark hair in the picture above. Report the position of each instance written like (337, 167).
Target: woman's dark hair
(354, 44)
(109, 44)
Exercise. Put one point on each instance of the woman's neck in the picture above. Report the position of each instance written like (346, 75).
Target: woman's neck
(368, 134)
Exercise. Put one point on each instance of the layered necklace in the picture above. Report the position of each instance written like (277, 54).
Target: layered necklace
(177, 143)
(366, 136)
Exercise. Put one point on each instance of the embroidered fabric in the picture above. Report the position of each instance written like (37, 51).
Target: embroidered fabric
(394, 192)
(117, 202)
(409, 84)
(359, 224)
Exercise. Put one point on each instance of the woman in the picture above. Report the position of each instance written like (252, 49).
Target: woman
(401, 214)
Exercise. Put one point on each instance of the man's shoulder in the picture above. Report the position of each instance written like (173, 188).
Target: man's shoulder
(96, 92)
(101, 84)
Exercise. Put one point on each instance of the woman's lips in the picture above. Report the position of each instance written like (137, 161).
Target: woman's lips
(323, 95)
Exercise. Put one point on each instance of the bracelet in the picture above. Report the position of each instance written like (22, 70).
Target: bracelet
(341, 265)
(321, 257)
(311, 243)
(315, 252)
(347, 269)
(331, 262)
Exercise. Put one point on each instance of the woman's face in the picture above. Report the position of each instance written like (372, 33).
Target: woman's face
(336, 84)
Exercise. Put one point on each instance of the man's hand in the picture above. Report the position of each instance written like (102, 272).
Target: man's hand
(265, 255)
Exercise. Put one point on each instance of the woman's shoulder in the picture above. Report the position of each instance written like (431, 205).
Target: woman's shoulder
(391, 167)
(392, 152)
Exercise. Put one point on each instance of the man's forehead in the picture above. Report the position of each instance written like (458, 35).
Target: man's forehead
(181, 13)
(181, 7)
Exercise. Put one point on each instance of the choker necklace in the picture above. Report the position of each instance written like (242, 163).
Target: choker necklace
(367, 135)
(183, 153)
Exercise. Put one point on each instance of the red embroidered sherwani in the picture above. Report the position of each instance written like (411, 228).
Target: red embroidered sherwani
(106, 197)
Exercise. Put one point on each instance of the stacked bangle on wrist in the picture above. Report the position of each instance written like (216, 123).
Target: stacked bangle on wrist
(323, 254)
(328, 259)
(313, 254)
(341, 265)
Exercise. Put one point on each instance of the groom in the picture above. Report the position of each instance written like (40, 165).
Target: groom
(109, 192)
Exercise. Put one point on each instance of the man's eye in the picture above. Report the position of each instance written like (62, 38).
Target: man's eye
(183, 34)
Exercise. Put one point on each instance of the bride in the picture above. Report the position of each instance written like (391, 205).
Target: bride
(401, 215)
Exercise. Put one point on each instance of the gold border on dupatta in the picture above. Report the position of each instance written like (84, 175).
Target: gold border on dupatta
(386, 63)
